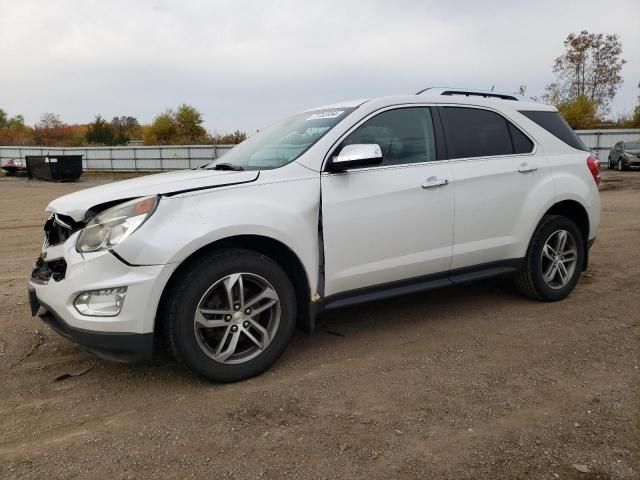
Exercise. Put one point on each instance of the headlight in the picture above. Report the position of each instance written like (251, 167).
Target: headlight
(112, 226)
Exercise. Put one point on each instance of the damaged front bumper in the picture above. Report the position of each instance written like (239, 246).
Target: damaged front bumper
(117, 346)
(58, 281)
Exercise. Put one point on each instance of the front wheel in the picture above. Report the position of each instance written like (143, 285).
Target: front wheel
(554, 260)
(231, 315)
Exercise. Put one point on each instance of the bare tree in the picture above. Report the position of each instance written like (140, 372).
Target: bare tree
(590, 67)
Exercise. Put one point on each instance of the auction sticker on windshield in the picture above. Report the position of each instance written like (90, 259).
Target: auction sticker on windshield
(325, 115)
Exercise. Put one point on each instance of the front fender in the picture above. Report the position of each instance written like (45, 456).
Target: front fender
(284, 211)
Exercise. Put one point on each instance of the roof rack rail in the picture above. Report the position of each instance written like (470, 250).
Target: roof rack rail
(469, 93)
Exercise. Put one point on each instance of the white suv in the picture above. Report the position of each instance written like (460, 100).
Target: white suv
(343, 204)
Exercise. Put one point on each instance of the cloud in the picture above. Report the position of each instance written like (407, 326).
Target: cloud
(244, 64)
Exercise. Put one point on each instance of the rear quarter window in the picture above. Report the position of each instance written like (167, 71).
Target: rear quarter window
(553, 123)
(521, 143)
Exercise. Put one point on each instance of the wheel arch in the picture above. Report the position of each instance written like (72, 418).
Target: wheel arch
(276, 250)
(578, 214)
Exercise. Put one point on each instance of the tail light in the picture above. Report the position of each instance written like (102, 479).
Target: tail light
(594, 167)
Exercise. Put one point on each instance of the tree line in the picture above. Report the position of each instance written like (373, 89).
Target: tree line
(182, 126)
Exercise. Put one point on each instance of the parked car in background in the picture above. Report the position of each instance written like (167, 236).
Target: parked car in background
(624, 155)
(14, 167)
(330, 207)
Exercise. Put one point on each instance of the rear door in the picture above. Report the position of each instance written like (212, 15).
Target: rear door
(393, 221)
(497, 171)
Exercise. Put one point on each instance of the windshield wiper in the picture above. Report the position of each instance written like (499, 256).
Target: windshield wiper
(227, 166)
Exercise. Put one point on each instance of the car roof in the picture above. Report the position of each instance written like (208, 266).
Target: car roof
(381, 102)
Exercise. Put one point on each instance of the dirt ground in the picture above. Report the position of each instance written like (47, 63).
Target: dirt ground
(461, 383)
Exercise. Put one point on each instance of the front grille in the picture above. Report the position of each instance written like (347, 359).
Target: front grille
(43, 271)
(58, 228)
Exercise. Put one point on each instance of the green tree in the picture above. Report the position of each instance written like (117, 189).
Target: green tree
(580, 113)
(188, 121)
(591, 66)
(229, 138)
(182, 127)
(99, 132)
(125, 129)
(162, 130)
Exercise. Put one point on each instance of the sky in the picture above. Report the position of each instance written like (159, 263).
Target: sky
(245, 64)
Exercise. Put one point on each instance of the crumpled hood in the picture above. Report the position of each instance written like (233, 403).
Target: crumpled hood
(76, 204)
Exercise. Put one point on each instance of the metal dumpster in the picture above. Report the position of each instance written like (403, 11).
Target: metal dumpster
(54, 168)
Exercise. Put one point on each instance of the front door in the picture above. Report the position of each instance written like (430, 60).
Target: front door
(393, 221)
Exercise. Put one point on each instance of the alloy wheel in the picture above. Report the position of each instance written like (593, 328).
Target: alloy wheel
(559, 259)
(237, 318)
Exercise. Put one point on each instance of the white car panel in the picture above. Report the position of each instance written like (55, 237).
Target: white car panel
(284, 209)
(102, 270)
(494, 205)
(76, 204)
(381, 225)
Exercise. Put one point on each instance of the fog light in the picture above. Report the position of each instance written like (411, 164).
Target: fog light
(106, 302)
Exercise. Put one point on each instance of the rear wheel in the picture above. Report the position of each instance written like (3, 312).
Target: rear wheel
(611, 165)
(554, 260)
(231, 315)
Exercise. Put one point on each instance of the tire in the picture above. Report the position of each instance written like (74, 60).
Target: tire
(531, 279)
(620, 166)
(611, 167)
(201, 294)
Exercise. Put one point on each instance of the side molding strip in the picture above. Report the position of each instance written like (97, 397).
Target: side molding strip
(421, 284)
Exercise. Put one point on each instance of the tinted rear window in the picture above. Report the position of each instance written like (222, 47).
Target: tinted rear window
(472, 132)
(553, 123)
(475, 133)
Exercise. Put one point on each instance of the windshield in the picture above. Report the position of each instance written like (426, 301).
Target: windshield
(632, 145)
(284, 141)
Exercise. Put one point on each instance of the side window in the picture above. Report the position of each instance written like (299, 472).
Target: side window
(473, 132)
(521, 143)
(405, 135)
(553, 123)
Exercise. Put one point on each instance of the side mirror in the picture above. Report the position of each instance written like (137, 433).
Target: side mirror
(356, 155)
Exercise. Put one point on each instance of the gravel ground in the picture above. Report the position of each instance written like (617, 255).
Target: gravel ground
(466, 382)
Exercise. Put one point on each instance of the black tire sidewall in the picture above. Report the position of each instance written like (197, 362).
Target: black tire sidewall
(198, 282)
(535, 253)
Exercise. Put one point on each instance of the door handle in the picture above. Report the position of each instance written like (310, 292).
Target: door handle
(433, 182)
(525, 168)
